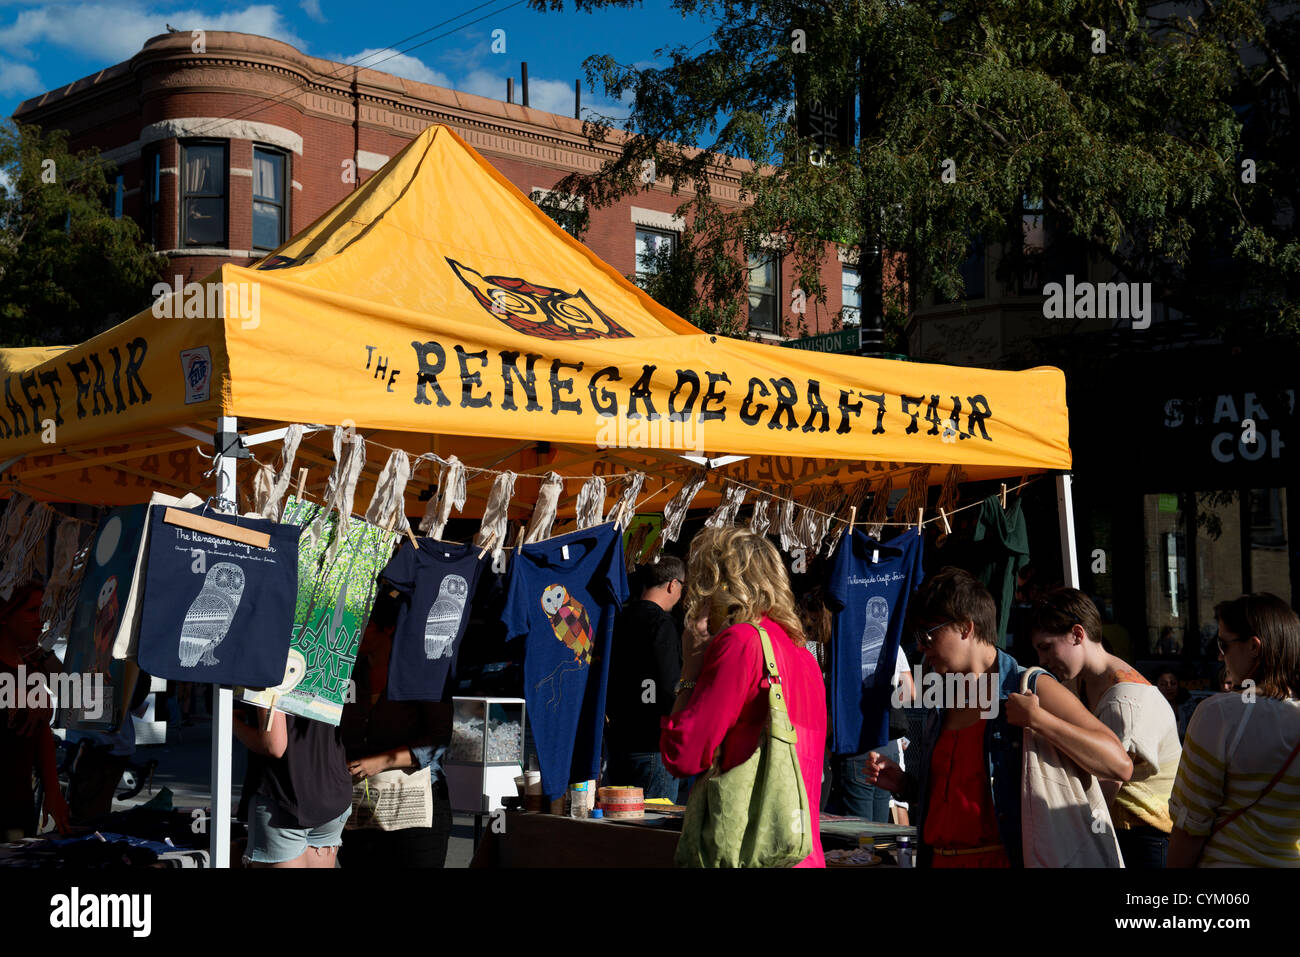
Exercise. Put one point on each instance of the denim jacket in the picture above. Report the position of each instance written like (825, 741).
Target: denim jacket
(1002, 750)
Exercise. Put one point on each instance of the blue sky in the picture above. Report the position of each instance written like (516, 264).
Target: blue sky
(48, 44)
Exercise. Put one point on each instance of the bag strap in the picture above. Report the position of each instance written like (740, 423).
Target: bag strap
(1259, 797)
(775, 696)
(1029, 679)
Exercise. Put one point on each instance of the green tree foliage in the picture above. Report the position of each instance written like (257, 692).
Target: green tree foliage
(1126, 126)
(68, 269)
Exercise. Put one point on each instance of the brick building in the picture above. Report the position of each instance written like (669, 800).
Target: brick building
(222, 155)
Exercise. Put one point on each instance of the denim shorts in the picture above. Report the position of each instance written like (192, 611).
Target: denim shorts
(268, 844)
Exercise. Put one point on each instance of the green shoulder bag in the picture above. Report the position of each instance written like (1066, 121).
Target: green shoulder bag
(756, 814)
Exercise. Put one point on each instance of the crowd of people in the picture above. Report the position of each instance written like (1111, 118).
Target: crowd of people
(1206, 782)
(1184, 785)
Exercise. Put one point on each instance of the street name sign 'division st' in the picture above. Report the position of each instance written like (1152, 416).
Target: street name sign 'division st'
(843, 340)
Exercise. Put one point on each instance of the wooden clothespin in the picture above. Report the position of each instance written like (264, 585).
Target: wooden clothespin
(920, 523)
(302, 484)
(411, 536)
(853, 516)
(270, 712)
(1004, 496)
(491, 540)
(943, 516)
(519, 541)
(210, 526)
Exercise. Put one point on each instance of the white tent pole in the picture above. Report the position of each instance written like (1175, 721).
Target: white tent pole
(1065, 510)
(222, 698)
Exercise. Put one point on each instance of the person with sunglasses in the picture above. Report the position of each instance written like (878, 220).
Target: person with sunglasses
(1235, 798)
(964, 786)
(1065, 628)
(644, 667)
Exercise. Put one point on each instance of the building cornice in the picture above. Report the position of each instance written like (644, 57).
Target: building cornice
(167, 65)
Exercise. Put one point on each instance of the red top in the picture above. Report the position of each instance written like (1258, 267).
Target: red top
(729, 709)
(960, 810)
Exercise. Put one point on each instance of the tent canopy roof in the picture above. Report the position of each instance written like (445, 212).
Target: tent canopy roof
(437, 309)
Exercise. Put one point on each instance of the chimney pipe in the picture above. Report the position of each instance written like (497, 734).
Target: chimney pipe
(510, 89)
(577, 99)
(524, 67)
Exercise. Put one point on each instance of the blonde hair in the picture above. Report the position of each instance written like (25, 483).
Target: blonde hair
(737, 576)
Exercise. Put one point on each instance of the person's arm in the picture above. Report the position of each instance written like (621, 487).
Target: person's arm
(1200, 787)
(882, 772)
(1062, 719)
(399, 757)
(702, 717)
(271, 744)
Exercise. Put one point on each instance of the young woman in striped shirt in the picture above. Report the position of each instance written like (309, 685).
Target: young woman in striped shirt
(1236, 800)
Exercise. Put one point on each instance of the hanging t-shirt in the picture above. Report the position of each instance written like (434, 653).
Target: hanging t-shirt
(440, 579)
(217, 611)
(1001, 550)
(869, 589)
(563, 597)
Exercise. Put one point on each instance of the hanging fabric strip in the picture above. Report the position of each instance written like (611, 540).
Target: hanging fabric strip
(948, 498)
(636, 545)
(676, 509)
(857, 495)
(591, 502)
(19, 507)
(388, 505)
(733, 496)
(806, 515)
(451, 494)
(761, 520)
(61, 618)
(879, 511)
(66, 542)
(492, 533)
(785, 516)
(21, 557)
(543, 517)
(350, 458)
(622, 512)
(918, 490)
(263, 484)
(270, 507)
(833, 499)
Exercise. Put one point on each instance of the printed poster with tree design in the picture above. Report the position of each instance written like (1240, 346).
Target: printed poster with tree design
(334, 602)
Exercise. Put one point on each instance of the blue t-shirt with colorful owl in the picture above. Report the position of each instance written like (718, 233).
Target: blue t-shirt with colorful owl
(563, 597)
(440, 580)
(869, 587)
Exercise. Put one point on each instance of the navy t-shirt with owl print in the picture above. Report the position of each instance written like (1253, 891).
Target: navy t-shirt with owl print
(869, 587)
(440, 579)
(563, 597)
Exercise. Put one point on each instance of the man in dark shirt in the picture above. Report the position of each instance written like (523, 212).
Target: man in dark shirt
(645, 663)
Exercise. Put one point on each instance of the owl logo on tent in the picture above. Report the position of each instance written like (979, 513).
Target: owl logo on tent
(569, 620)
(542, 311)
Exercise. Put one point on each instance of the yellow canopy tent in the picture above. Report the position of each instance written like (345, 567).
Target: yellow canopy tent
(437, 309)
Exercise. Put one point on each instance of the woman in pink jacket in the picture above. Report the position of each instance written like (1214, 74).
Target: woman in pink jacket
(736, 578)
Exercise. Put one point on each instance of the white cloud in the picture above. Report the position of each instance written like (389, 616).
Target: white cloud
(312, 9)
(18, 79)
(398, 64)
(115, 32)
